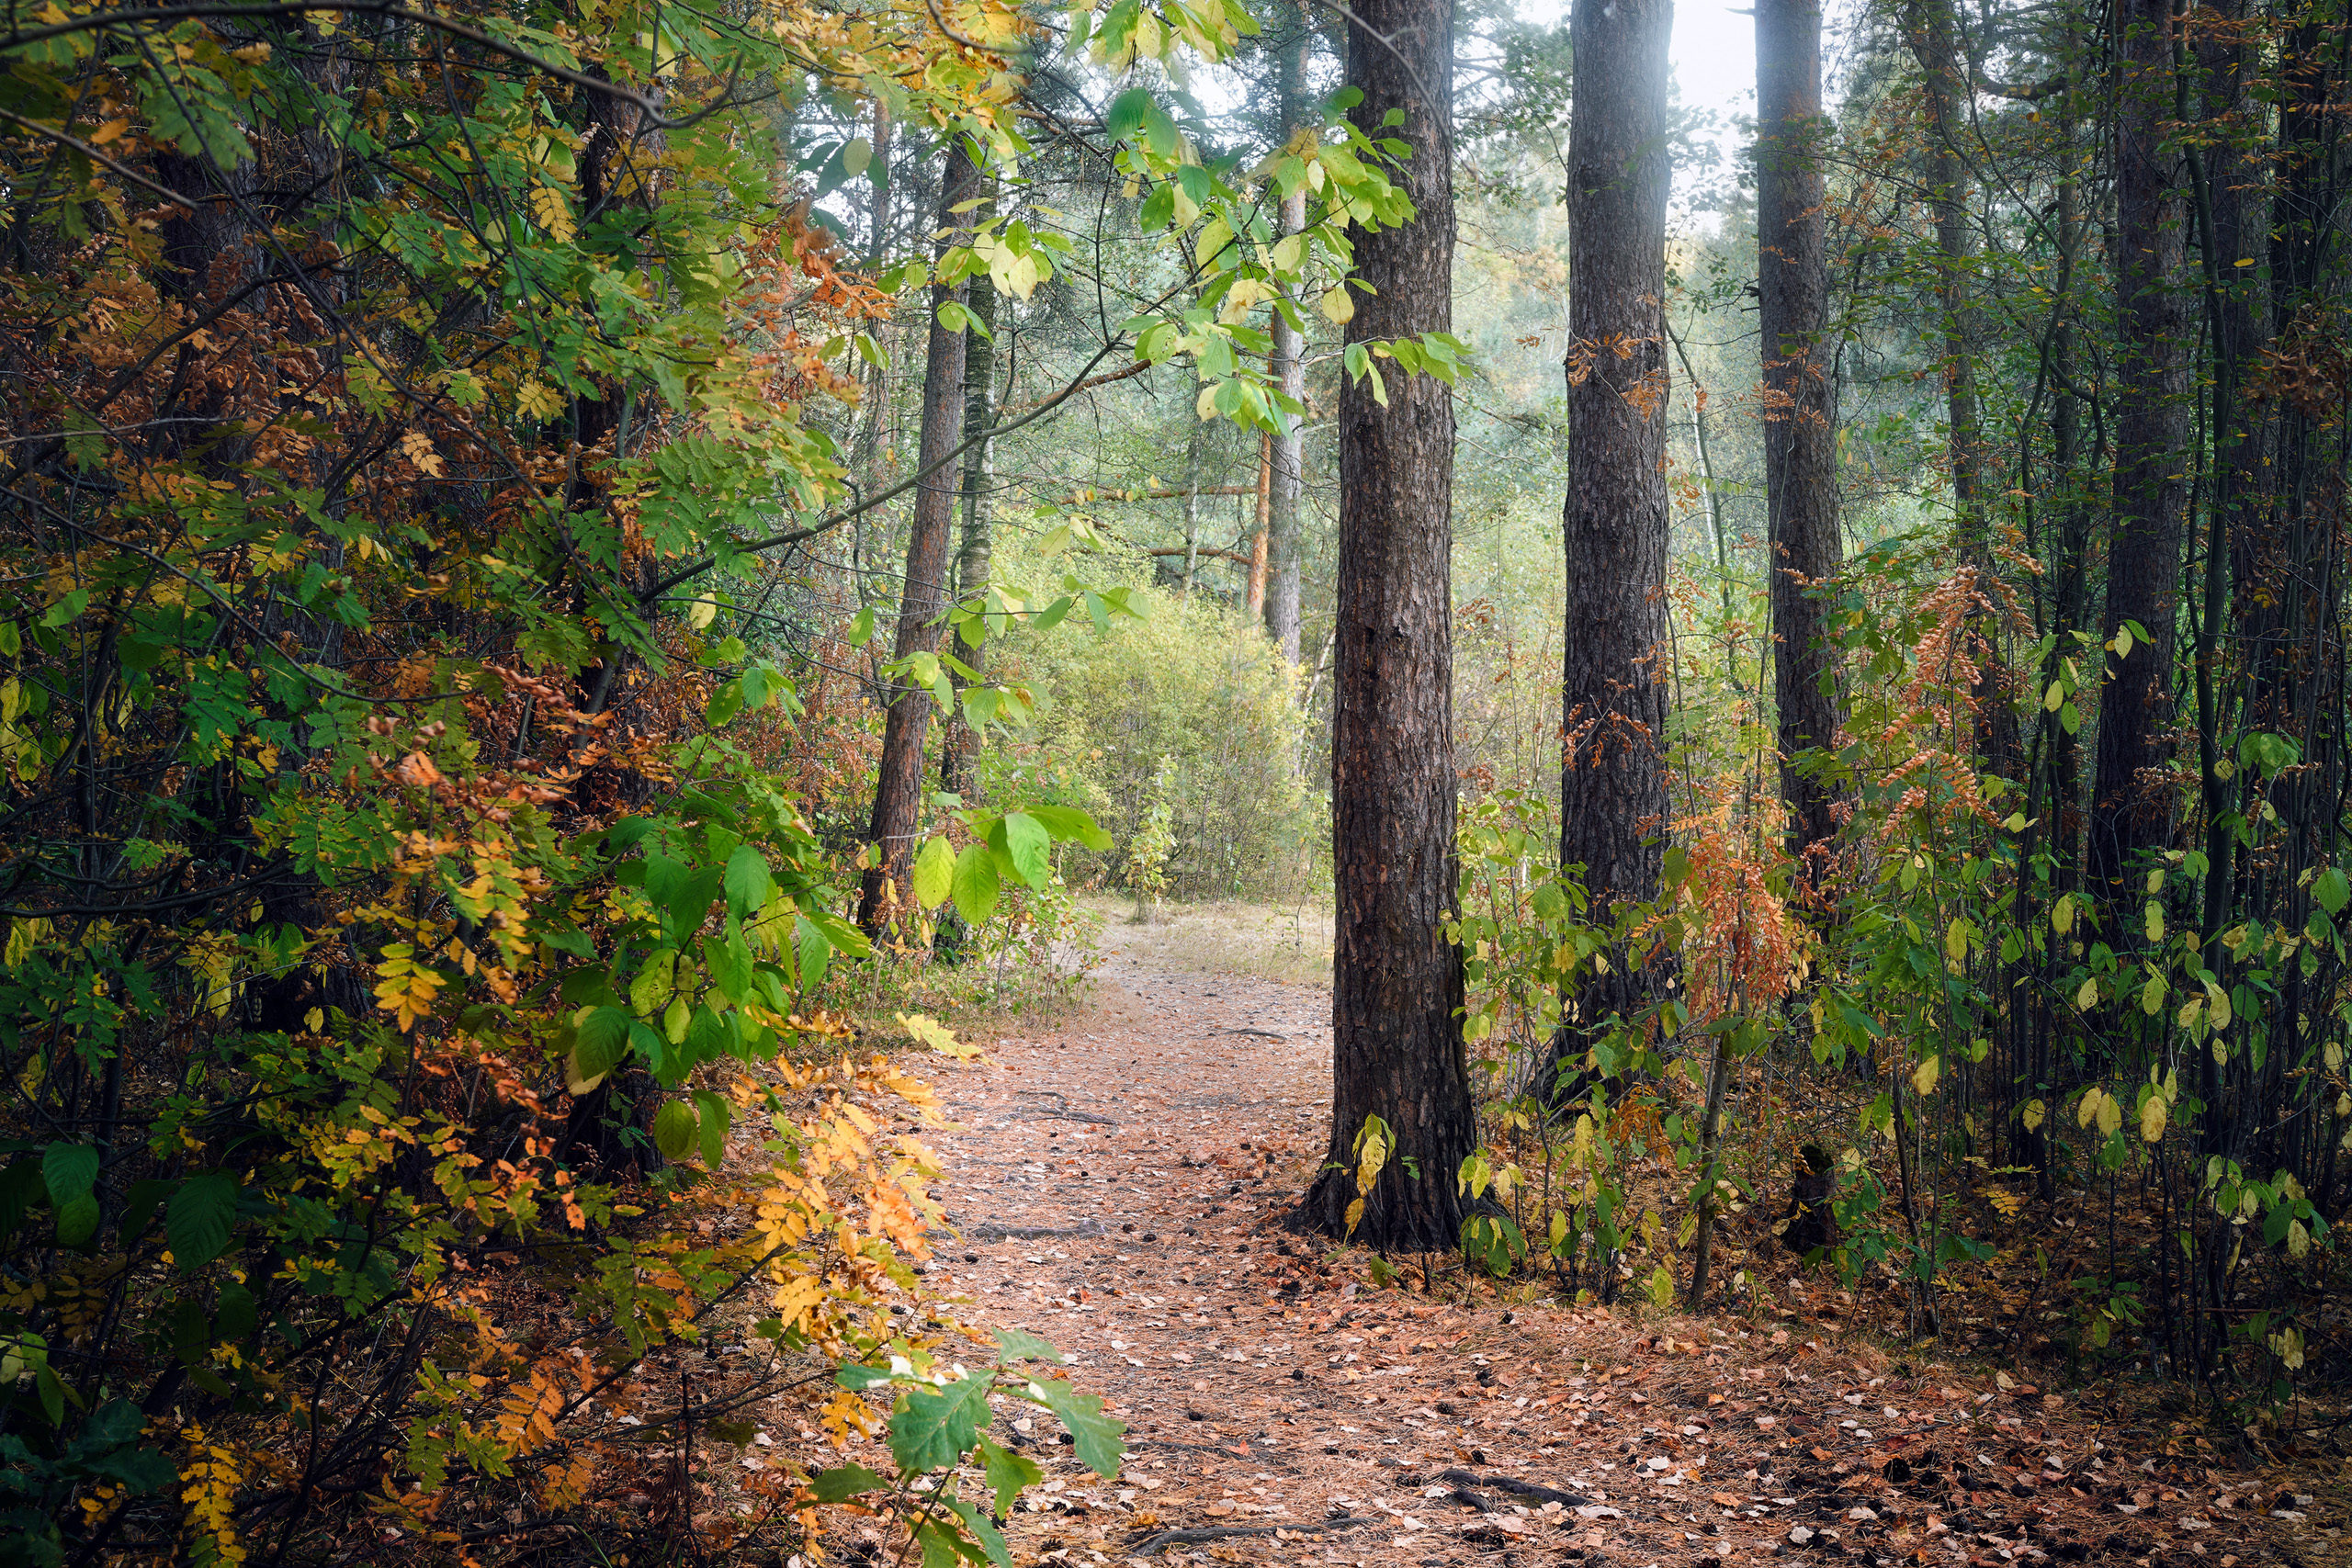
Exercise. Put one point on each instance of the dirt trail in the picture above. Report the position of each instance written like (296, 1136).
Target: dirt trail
(1119, 1182)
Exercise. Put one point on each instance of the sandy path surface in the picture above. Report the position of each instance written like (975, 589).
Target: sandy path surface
(1119, 1182)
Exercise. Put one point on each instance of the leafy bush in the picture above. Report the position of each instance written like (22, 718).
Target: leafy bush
(1187, 689)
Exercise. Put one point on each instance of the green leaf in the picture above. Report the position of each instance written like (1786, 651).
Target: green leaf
(68, 1170)
(816, 950)
(934, 873)
(1008, 1473)
(196, 1223)
(747, 881)
(1070, 822)
(713, 1130)
(935, 1425)
(675, 1127)
(983, 1530)
(2331, 891)
(856, 1376)
(840, 1485)
(1029, 847)
(975, 884)
(942, 1547)
(602, 1042)
(1019, 1344)
(861, 626)
(1098, 1437)
(1124, 118)
(77, 1220)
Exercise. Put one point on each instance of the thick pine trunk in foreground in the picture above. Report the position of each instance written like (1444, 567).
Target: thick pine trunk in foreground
(1613, 806)
(897, 786)
(2131, 809)
(1396, 982)
(1801, 405)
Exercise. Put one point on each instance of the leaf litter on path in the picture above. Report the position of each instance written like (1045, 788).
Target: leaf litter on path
(1119, 1185)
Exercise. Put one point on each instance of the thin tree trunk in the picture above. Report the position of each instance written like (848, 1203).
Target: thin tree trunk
(1257, 601)
(1287, 471)
(961, 744)
(1935, 43)
(898, 786)
(2131, 806)
(1800, 405)
(1613, 804)
(1396, 982)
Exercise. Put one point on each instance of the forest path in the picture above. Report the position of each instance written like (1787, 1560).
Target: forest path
(1119, 1181)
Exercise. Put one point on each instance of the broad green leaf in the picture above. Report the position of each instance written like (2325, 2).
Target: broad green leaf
(1070, 822)
(844, 1482)
(984, 1530)
(77, 1220)
(1098, 1437)
(1008, 1473)
(68, 1170)
(197, 1222)
(975, 884)
(676, 1128)
(934, 872)
(1030, 848)
(2331, 890)
(816, 950)
(1019, 1344)
(935, 1425)
(602, 1042)
(747, 881)
(712, 1130)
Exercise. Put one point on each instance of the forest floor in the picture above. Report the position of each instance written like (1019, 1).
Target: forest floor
(1120, 1181)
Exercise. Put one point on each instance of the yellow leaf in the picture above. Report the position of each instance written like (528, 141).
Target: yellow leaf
(2062, 914)
(1205, 404)
(2087, 1112)
(1355, 1215)
(2152, 1112)
(551, 211)
(417, 447)
(2155, 921)
(2110, 1114)
(1956, 940)
(1337, 306)
(1924, 1075)
(2033, 1113)
(2086, 997)
(700, 612)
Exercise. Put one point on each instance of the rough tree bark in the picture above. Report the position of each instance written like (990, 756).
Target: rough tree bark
(1613, 805)
(1396, 982)
(1287, 467)
(961, 744)
(898, 786)
(1800, 412)
(2152, 426)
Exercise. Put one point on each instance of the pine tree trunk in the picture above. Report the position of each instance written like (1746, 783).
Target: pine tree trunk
(1396, 982)
(2130, 813)
(1613, 805)
(898, 786)
(1800, 397)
